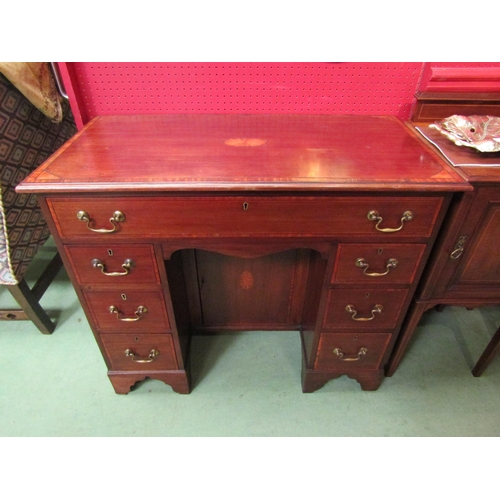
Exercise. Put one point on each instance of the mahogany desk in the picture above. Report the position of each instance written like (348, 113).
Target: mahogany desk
(175, 224)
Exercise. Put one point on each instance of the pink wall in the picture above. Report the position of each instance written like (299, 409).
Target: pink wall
(328, 88)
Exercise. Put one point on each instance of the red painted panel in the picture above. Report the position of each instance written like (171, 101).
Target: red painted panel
(323, 88)
(461, 77)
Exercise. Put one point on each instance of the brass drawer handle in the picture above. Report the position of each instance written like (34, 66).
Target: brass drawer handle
(338, 352)
(373, 215)
(376, 310)
(140, 310)
(362, 263)
(117, 217)
(152, 355)
(127, 264)
(459, 248)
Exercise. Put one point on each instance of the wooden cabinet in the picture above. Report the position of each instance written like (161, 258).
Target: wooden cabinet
(322, 225)
(472, 264)
(464, 268)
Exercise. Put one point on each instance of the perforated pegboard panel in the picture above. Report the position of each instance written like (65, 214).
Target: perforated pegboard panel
(140, 88)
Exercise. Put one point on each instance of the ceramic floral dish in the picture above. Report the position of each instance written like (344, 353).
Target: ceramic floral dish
(479, 132)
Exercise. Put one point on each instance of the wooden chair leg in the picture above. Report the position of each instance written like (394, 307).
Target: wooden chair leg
(47, 276)
(30, 307)
(488, 355)
(28, 299)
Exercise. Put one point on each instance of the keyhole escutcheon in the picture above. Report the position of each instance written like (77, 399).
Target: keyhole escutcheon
(245, 206)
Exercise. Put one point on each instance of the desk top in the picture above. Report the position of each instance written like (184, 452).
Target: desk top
(179, 153)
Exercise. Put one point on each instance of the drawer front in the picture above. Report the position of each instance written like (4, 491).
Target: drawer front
(113, 264)
(245, 216)
(364, 308)
(141, 352)
(128, 311)
(350, 351)
(373, 264)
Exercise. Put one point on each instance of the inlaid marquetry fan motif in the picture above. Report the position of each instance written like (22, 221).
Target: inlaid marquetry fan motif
(244, 142)
(246, 280)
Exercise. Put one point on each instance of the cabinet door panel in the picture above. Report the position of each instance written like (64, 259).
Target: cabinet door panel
(466, 264)
(482, 262)
(253, 292)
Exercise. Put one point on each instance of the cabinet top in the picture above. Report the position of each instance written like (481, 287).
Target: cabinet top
(177, 153)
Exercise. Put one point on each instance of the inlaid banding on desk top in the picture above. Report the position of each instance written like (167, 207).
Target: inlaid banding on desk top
(272, 151)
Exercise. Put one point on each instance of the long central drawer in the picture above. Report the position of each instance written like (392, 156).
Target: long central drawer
(244, 216)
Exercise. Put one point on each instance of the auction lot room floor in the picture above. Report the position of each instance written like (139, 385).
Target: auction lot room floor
(244, 384)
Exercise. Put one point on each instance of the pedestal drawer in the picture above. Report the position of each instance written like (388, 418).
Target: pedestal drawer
(350, 351)
(128, 311)
(113, 264)
(364, 308)
(140, 352)
(374, 264)
(245, 216)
